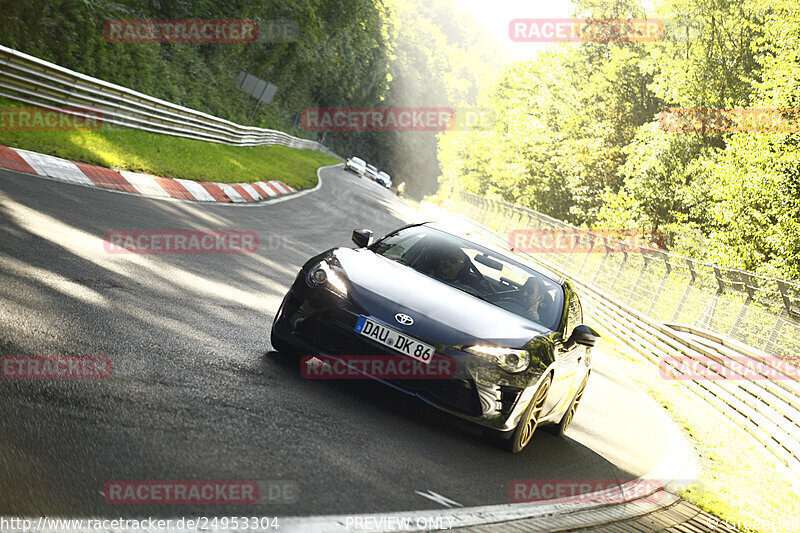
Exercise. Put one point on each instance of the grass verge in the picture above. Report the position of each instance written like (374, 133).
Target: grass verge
(171, 157)
(738, 482)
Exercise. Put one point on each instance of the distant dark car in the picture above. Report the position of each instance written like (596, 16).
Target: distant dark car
(371, 172)
(356, 165)
(384, 179)
(522, 355)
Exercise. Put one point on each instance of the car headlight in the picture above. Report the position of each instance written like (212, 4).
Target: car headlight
(510, 360)
(322, 275)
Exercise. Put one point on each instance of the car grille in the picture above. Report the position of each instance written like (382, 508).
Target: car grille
(508, 397)
(335, 340)
(456, 394)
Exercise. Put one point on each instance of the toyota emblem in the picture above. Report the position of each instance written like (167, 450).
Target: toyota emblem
(404, 319)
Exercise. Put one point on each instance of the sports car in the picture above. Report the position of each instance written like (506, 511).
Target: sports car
(371, 172)
(384, 179)
(521, 354)
(356, 165)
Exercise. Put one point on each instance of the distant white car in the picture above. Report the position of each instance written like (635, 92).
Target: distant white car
(356, 165)
(384, 179)
(371, 172)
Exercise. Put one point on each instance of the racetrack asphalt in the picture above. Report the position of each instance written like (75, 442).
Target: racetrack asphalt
(196, 392)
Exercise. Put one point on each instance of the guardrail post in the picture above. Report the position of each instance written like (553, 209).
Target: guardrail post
(776, 329)
(528, 222)
(686, 291)
(508, 219)
(580, 235)
(718, 275)
(746, 280)
(787, 303)
(749, 284)
(668, 267)
(621, 265)
(646, 262)
(602, 261)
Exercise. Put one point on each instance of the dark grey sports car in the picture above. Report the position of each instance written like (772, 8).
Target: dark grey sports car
(514, 333)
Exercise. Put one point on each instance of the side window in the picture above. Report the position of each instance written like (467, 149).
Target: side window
(575, 314)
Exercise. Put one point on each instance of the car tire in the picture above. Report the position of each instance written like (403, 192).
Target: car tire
(566, 421)
(529, 421)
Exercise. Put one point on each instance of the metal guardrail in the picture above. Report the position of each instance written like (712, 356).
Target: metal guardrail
(27, 79)
(631, 307)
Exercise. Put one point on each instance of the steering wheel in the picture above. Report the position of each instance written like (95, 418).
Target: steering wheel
(510, 304)
(481, 278)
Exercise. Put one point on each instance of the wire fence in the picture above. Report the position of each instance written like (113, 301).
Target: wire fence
(756, 310)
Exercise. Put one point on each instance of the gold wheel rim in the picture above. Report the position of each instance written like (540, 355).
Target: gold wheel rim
(574, 407)
(533, 420)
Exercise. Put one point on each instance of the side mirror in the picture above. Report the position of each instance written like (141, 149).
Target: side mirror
(362, 237)
(583, 335)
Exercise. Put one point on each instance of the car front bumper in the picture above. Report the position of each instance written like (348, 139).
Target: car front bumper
(315, 322)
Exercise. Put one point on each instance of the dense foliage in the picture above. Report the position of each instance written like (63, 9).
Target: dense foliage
(577, 132)
(579, 137)
(348, 53)
(341, 53)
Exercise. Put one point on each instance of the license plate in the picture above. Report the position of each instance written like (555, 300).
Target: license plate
(395, 340)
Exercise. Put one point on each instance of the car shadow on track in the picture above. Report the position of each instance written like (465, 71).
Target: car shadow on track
(449, 442)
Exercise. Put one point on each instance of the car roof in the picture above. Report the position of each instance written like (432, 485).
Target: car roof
(456, 232)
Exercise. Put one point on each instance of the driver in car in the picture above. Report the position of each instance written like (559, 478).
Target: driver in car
(450, 264)
(536, 300)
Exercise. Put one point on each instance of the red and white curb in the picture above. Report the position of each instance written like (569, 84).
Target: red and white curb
(136, 183)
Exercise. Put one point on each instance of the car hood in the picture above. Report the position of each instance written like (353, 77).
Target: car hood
(381, 288)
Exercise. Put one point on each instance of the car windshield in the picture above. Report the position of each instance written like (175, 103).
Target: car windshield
(477, 271)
